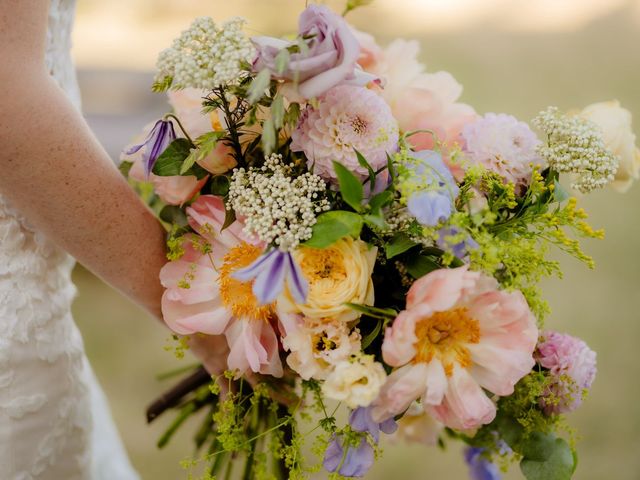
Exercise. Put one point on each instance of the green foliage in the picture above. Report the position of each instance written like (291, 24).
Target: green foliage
(332, 226)
(204, 146)
(350, 187)
(398, 244)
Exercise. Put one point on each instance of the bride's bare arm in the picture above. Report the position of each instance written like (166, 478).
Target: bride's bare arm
(57, 175)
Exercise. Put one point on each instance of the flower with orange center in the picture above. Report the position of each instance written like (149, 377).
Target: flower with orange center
(236, 295)
(337, 275)
(459, 336)
(202, 296)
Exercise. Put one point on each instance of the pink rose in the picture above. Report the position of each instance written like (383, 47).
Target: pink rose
(331, 58)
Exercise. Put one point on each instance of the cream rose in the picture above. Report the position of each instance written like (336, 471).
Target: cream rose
(337, 275)
(619, 138)
(356, 382)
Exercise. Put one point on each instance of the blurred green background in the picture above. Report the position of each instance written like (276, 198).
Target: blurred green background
(515, 56)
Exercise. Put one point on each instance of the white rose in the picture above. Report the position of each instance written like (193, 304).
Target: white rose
(356, 382)
(619, 138)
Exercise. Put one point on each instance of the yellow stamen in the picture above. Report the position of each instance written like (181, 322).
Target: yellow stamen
(444, 336)
(238, 296)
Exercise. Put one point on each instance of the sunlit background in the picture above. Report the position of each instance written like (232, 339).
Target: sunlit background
(515, 56)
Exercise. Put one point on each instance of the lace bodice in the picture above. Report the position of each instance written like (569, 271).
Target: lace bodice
(49, 399)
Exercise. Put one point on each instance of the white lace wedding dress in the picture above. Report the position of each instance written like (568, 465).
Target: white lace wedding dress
(54, 421)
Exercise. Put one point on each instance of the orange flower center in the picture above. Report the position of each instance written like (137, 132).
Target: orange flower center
(444, 335)
(238, 296)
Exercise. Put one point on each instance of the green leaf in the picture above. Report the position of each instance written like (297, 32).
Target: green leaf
(282, 61)
(419, 265)
(559, 193)
(170, 161)
(259, 86)
(363, 163)
(332, 226)
(371, 336)
(125, 168)
(350, 186)
(374, 312)
(174, 215)
(268, 136)
(277, 110)
(510, 430)
(392, 170)
(547, 457)
(229, 218)
(380, 200)
(204, 146)
(220, 185)
(400, 243)
(375, 221)
(162, 85)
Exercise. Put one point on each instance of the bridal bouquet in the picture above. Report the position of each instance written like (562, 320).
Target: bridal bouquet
(358, 254)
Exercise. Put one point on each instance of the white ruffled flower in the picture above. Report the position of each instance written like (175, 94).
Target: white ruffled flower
(318, 345)
(356, 382)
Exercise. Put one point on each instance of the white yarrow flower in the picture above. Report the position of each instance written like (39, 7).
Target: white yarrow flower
(575, 145)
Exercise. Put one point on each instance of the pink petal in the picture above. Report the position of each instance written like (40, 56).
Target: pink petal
(402, 387)
(209, 317)
(436, 383)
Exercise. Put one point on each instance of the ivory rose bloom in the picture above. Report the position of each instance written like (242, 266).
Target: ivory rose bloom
(317, 345)
(202, 296)
(337, 275)
(619, 138)
(458, 336)
(356, 381)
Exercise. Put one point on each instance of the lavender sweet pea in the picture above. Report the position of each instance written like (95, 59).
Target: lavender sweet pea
(432, 202)
(448, 240)
(479, 467)
(270, 272)
(356, 461)
(330, 59)
(159, 138)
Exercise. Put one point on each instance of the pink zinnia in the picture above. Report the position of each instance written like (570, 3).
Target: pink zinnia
(202, 295)
(458, 335)
(345, 119)
(503, 144)
(572, 365)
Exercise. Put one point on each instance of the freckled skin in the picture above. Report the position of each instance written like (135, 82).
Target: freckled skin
(53, 170)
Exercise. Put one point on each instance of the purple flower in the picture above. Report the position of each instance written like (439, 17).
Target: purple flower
(159, 138)
(330, 59)
(356, 461)
(448, 239)
(479, 467)
(434, 188)
(271, 271)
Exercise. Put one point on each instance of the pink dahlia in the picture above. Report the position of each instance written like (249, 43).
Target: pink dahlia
(572, 365)
(458, 337)
(345, 119)
(501, 143)
(203, 296)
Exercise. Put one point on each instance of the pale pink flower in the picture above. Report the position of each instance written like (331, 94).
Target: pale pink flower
(418, 99)
(345, 119)
(458, 335)
(572, 365)
(202, 296)
(504, 145)
(187, 105)
(173, 190)
(317, 345)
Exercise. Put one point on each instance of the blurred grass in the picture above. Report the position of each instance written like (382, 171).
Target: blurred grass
(502, 72)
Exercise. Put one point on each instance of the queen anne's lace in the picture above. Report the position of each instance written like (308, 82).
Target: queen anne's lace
(47, 391)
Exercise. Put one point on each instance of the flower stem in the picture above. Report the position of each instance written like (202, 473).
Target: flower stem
(171, 115)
